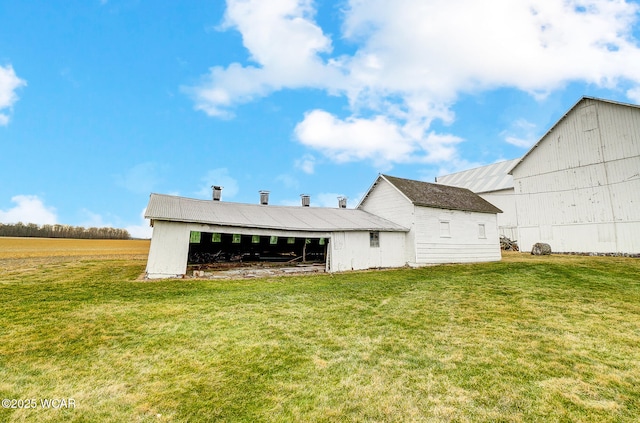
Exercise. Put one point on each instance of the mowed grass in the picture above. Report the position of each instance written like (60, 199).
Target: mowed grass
(527, 339)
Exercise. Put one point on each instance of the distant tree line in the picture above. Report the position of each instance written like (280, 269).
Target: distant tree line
(61, 231)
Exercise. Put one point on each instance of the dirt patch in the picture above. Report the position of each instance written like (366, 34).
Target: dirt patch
(249, 271)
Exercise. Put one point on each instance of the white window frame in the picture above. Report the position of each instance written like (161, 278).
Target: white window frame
(374, 239)
(445, 229)
(482, 231)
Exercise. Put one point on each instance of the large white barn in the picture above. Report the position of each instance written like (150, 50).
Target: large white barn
(577, 188)
(399, 222)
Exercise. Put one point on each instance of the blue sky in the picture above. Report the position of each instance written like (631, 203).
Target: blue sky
(104, 102)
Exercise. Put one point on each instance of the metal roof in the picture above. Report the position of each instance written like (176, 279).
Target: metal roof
(312, 219)
(493, 177)
(440, 196)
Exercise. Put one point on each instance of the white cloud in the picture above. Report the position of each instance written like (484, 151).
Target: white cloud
(141, 178)
(519, 142)
(634, 94)
(142, 230)
(413, 59)
(380, 139)
(9, 83)
(288, 181)
(326, 199)
(306, 163)
(267, 27)
(521, 134)
(441, 48)
(221, 178)
(95, 220)
(29, 209)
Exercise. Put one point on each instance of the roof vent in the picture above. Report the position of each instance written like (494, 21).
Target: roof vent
(342, 202)
(264, 198)
(306, 199)
(217, 192)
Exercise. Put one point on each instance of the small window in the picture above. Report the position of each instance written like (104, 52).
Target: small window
(255, 239)
(321, 242)
(291, 240)
(374, 239)
(236, 239)
(216, 237)
(273, 240)
(445, 229)
(481, 231)
(195, 237)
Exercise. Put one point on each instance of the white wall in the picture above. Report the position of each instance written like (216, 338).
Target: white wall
(387, 202)
(352, 251)
(168, 251)
(169, 248)
(423, 244)
(579, 189)
(462, 244)
(505, 200)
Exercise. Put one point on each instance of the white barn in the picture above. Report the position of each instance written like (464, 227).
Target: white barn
(494, 183)
(416, 223)
(578, 187)
(446, 224)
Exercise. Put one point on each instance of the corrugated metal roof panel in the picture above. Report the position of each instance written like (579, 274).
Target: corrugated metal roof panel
(313, 219)
(493, 177)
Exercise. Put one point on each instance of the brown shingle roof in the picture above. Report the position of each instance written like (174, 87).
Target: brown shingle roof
(441, 196)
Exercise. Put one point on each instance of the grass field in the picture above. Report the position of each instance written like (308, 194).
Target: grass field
(526, 339)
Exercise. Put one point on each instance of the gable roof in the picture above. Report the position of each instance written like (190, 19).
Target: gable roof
(438, 196)
(582, 99)
(493, 177)
(313, 219)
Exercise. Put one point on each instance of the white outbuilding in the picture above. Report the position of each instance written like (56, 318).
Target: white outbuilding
(399, 222)
(185, 229)
(446, 224)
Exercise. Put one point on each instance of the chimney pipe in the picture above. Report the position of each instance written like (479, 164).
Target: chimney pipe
(264, 198)
(306, 199)
(342, 202)
(217, 192)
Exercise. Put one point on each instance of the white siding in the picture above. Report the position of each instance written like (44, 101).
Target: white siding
(463, 245)
(352, 251)
(579, 189)
(505, 200)
(168, 251)
(387, 202)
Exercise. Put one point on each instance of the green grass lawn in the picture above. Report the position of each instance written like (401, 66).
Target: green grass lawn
(526, 339)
